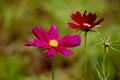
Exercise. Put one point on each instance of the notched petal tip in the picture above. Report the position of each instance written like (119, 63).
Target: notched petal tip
(53, 32)
(35, 29)
(37, 43)
(99, 21)
(70, 41)
(78, 13)
(102, 19)
(84, 14)
(73, 16)
(68, 53)
(65, 51)
(76, 40)
(53, 26)
(40, 34)
(28, 44)
(51, 52)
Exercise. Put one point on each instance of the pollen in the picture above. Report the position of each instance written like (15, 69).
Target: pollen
(53, 43)
(86, 24)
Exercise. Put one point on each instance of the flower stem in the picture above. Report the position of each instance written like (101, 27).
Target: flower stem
(85, 67)
(104, 70)
(52, 68)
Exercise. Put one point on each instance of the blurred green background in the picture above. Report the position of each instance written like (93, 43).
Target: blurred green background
(18, 17)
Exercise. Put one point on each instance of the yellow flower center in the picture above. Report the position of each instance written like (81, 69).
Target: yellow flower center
(86, 24)
(53, 43)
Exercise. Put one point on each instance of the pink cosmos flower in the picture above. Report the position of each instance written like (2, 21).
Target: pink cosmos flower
(52, 42)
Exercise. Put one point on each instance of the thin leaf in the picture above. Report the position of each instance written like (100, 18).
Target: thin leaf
(100, 75)
(97, 44)
(114, 49)
(92, 77)
(108, 39)
(107, 77)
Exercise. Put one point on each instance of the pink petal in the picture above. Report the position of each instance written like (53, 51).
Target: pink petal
(51, 52)
(70, 41)
(40, 34)
(36, 43)
(73, 26)
(53, 33)
(65, 51)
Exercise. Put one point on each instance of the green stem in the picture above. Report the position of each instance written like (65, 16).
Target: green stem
(52, 68)
(104, 70)
(85, 67)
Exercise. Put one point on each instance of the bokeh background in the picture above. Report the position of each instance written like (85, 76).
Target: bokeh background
(18, 17)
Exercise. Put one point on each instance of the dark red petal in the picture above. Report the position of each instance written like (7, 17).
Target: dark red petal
(97, 22)
(78, 14)
(91, 18)
(77, 18)
(85, 16)
(73, 26)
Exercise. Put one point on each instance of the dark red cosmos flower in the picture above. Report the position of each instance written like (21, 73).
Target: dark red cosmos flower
(84, 22)
(52, 42)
